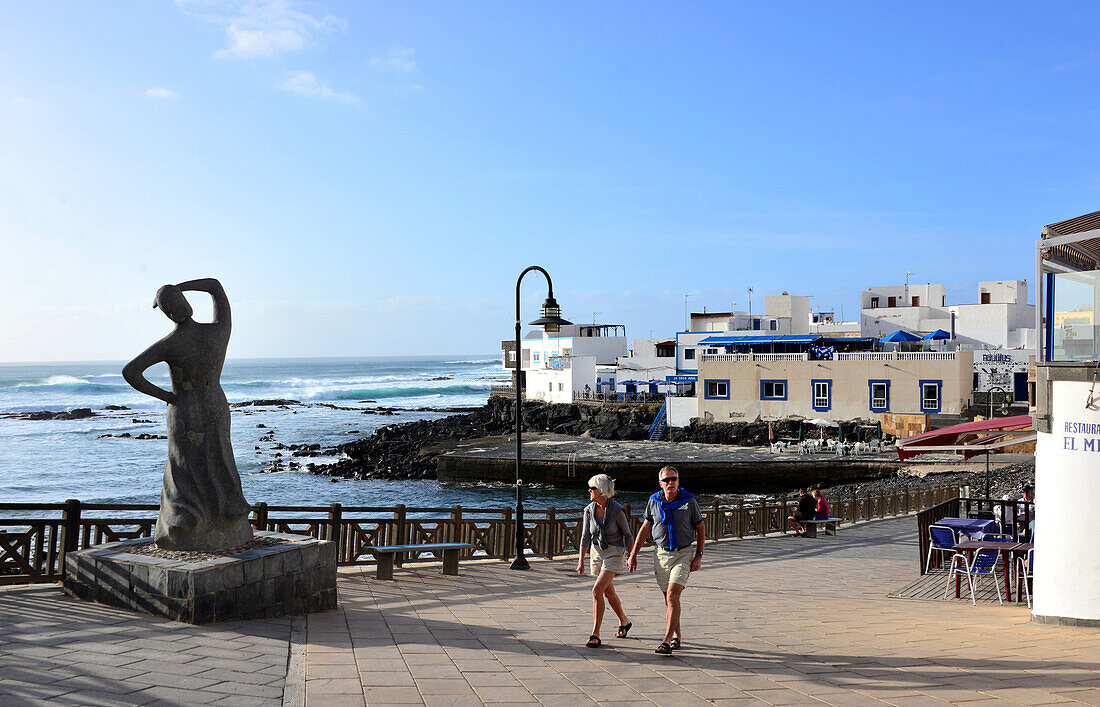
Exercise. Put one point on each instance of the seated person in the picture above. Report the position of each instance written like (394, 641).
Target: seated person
(807, 509)
(821, 510)
(1026, 533)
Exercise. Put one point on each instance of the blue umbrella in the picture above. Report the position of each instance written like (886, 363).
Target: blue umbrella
(899, 337)
(937, 335)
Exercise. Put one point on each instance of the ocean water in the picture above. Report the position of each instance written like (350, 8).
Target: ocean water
(48, 461)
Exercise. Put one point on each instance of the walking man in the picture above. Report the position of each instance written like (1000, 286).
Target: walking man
(673, 516)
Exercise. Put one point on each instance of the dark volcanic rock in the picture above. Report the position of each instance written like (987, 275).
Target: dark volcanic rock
(115, 407)
(273, 402)
(408, 451)
(75, 414)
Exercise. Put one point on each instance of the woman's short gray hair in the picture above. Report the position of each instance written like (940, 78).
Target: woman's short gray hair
(604, 483)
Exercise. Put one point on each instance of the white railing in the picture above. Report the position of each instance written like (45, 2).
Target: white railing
(927, 356)
(866, 356)
(726, 357)
(782, 357)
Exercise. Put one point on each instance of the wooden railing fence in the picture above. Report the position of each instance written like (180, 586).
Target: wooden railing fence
(32, 547)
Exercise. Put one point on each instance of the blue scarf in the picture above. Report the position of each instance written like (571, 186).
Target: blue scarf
(666, 508)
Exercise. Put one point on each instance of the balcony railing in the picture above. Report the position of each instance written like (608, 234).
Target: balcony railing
(757, 357)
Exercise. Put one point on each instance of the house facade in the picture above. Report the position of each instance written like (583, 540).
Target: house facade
(734, 387)
(555, 366)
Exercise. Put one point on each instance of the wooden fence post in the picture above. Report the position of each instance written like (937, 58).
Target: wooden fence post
(456, 524)
(70, 531)
(399, 532)
(741, 519)
(335, 518)
(764, 516)
(716, 522)
(509, 534)
(868, 514)
(259, 516)
(552, 534)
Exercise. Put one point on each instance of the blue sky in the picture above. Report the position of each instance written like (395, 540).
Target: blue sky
(369, 179)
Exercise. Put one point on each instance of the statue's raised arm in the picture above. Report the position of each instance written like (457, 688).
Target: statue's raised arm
(213, 288)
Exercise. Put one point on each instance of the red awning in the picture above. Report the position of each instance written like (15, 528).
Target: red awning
(970, 438)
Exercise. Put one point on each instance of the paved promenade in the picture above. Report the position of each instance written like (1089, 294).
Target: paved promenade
(779, 620)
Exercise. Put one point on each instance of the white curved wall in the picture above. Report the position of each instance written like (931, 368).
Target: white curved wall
(1067, 488)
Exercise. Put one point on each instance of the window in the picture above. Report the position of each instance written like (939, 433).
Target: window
(536, 357)
(689, 354)
(773, 325)
(773, 390)
(880, 395)
(985, 298)
(822, 392)
(551, 388)
(930, 396)
(666, 350)
(891, 301)
(718, 389)
(916, 301)
(756, 324)
(711, 351)
(874, 303)
(511, 357)
(559, 387)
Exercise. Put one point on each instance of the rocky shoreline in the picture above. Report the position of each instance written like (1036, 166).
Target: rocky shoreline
(409, 450)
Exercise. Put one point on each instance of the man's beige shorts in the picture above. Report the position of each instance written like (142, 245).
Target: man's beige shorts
(673, 567)
(610, 559)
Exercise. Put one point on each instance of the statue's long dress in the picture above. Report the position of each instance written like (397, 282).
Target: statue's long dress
(202, 506)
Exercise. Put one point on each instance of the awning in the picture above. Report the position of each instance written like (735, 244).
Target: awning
(898, 337)
(822, 422)
(937, 335)
(970, 438)
(753, 340)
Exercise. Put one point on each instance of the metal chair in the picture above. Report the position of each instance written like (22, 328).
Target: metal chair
(983, 565)
(941, 539)
(981, 515)
(1025, 570)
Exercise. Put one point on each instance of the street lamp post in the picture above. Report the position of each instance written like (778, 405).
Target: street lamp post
(550, 321)
(988, 479)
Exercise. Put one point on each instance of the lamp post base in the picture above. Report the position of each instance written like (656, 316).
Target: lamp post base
(520, 563)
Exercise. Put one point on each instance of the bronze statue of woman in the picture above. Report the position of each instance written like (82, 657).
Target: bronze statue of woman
(202, 506)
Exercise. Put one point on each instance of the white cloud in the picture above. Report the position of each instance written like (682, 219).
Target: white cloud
(304, 83)
(261, 28)
(400, 61)
(160, 94)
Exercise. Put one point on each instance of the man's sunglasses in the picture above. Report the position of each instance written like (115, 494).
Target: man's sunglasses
(668, 479)
(593, 488)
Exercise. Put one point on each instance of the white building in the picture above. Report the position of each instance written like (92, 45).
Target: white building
(648, 365)
(1001, 323)
(1067, 425)
(555, 366)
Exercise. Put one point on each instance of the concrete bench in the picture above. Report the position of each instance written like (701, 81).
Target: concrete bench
(385, 554)
(827, 524)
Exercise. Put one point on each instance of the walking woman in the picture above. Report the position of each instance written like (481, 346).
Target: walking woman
(606, 531)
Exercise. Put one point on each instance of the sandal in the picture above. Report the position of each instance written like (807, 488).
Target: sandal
(594, 641)
(624, 629)
(663, 649)
(675, 644)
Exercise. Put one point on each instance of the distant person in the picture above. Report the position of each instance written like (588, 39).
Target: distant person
(807, 510)
(587, 391)
(605, 529)
(821, 509)
(1026, 532)
(673, 516)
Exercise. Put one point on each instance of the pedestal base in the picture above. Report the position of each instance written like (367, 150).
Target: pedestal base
(283, 575)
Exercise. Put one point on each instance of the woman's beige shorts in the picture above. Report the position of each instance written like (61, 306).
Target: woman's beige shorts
(610, 559)
(673, 567)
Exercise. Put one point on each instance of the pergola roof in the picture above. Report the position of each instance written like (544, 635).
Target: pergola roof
(1080, 254)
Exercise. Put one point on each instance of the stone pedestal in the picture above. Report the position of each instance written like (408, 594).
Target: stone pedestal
(276, 575)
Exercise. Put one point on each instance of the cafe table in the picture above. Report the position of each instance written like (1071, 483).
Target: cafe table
(1008, 549)
(975, 528)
